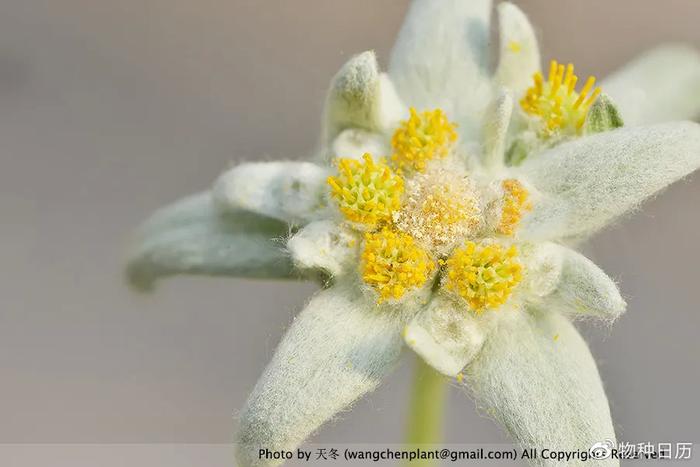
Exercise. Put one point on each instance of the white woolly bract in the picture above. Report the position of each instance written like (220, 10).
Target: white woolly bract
(353, 144)
(495, 130)
(520, 54)
(440, 59)
(391, 108)
(584, 290)
(193, 237)
(446, 334)
(294, 192)
(325, 245)
(544, 262)
(352, 97)
(536, 376)
(662, 84)
(361, 98)
(337, 349)
(587, 183)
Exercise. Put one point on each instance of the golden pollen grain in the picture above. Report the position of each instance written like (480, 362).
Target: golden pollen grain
(367, 192)
(560, 108)
(515, 47)
(423, 137)
(393, 264)
(483, 274)
(440, 207)
(515, 204)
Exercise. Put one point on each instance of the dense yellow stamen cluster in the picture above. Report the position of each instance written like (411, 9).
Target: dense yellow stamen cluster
(392, 263)
(440, 208)
(366, 191)
(483, 274)
(515, 204)
(423, 137)
(556, 101)
(415, 212)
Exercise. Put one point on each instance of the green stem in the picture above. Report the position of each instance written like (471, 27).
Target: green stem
(426, 409)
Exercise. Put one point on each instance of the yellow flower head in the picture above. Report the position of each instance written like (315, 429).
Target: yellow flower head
(515, 204)
(439, 208)
(423, 137)
(366, 191)
(393, 264)
(556, 102)
(483, 274)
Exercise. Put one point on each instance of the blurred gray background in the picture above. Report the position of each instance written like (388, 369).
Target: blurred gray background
(110, 109)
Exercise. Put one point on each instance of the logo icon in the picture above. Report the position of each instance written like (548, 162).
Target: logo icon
(602, 449)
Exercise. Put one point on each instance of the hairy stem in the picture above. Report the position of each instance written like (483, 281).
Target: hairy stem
(426, 409)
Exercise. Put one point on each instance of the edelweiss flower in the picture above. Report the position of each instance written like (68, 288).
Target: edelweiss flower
(437, 215)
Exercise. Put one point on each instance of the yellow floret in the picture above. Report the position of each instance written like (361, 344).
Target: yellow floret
(393, 264)
(366, 191)
(483, 274)
(556, 102)
(515, 204)
(423, 137)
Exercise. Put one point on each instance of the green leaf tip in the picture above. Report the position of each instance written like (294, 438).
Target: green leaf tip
(603, 116)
